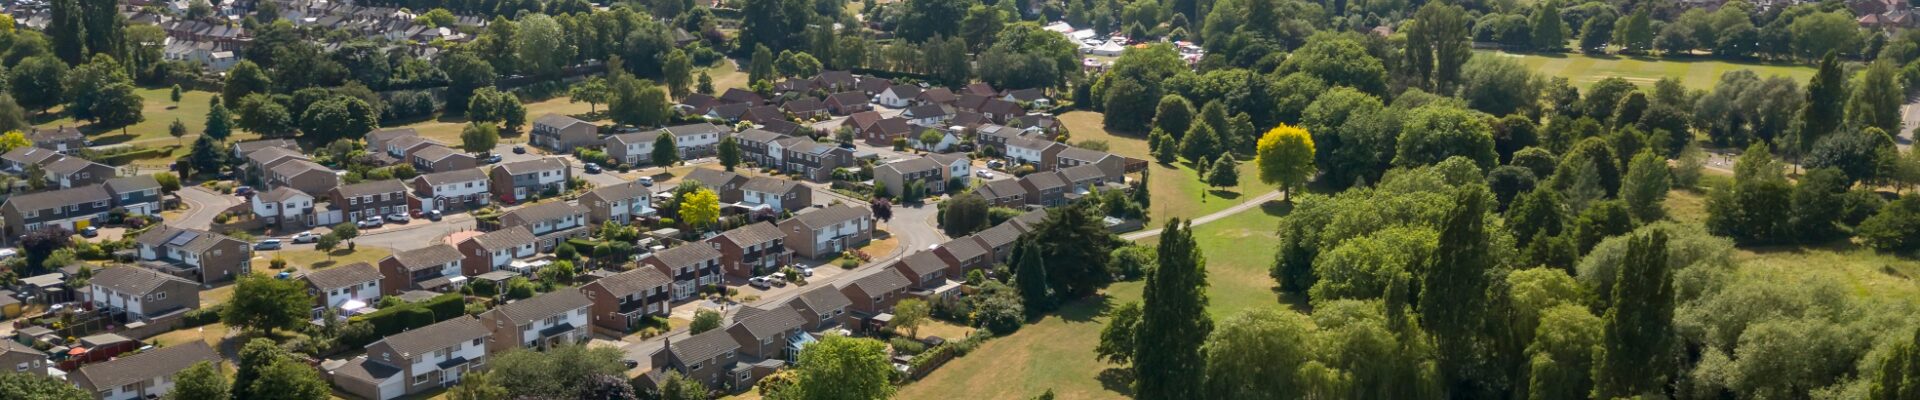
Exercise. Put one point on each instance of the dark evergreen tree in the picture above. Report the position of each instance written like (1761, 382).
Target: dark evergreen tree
(1173, 320)
(1077, 248)
(1826, 104)
(1030, 277)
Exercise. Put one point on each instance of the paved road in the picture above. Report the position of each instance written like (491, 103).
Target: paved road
(202, 205)
(1204, 219)
(416, 234)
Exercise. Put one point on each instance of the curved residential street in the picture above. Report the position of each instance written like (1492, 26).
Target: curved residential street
(202, 205)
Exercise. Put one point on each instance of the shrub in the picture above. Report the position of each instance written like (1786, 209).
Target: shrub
(202, 316)
(905, 346)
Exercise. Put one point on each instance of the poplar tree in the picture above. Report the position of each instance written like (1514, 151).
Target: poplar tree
(1639, 325)
(1826, 103)
(1453, 297)
(1173, 320)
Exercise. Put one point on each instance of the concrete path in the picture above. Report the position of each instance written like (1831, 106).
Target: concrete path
(202, 205)
(1204, 219)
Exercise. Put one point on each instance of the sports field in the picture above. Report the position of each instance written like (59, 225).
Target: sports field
(1696, 73)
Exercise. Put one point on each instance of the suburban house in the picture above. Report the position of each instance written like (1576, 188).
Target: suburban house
(341, 286)
(834, 81)
(63, 138)
(140, 294)
(67, 172)
(1003, 193)
(773, 333)
(813, 160)
(873, 85)
(1045, 189)
(1082, 180)
(623, 302)
(928, 273)
(752, 250)
(926, 115)
(631, 148)
(762, 114)
(551, 222)
(435, 157)
(823, 307)
(936, 95)
(805, 108)
(845, 103)
(741, 96)
(17, 161)
(996, 136)
(882, 132)
(619, 203)
(933, 172)
(381, 141)
(725, 184)
(1042, 154)
(242, 149)
(283, 207)
(458, 189)
(415, 361)
(949, 139)
(1112, 167)
(897, 96)
(71, 209)
(965, 254)
(371, 199)
(521, 180)
(492, 250)
(138, 194)
(861, 120)
(22, 359)
(562, 133)
(707, 357)
(306, 176)
(775, 193)
(697, 140)
(541, 322)
(194, 254)
(825, 232)
(435, 268)
(142, 376)
(1035, 96)
(690, 266)
(877, 292)
(998, 241)
(401, 149)
(265, 158)
(754, 146)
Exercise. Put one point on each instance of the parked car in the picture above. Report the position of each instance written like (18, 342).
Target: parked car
(399, 218)
(593, 168)
(90, 232)
(493, 159)
(283, 275)
(371, 222)
(243, 191)
(984, 174)
(519, 149)
(305, 237)
(646, 181)
(269, 244)
(805, 271)
(996, 164)
(778, 278)
(433, 215)
(760, 282)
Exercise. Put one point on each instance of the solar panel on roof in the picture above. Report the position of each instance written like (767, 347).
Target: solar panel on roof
(183, 238)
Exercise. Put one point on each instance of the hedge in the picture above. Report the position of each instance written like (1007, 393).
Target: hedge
(202, 316)
(400, 318)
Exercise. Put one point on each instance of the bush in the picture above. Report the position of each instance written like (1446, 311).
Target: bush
(404, 316)
(1896, 228)
(905, 346)
(202, 316)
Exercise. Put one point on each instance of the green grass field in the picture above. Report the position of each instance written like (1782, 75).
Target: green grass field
(1697, 73)
(1176, 188)
(159, 112)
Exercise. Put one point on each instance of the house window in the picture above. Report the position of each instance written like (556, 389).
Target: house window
(419, 380)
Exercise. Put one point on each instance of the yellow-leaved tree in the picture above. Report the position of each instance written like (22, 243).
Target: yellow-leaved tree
(700, 208)
(1285, 157)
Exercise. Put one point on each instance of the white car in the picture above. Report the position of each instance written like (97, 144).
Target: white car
(805, 271)
(984, 174)
(760, 282)
(306, 237)
(371, 222)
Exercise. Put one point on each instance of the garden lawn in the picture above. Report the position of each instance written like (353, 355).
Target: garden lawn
(210, 333)
(159, 111)
(447, 129)
(1696, 73)
(313, 259)
(1176, 189)
(1057, 352)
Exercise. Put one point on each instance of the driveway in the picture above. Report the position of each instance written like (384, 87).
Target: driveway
(416, 234)
(202, 205)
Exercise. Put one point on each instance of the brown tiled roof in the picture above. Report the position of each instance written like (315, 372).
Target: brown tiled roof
(704, 346)
(547, 211)
(823, 299)
(626, 190)
(770, 322)
(512, 236)
(558, 121)
(57, 198)
(712, 178)
(531, 166)
(769, 185)
(823, 217)
(1044, 180)
(757, 136)
(454, 176)
(267, 155)
(426, 256)
(923, 263)
(164, 361)
(999, 235)
(343, 276)
(882, 281)
(280, 194)
(297, 167)
(635, 281)
(370, 188)
(963, 248)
